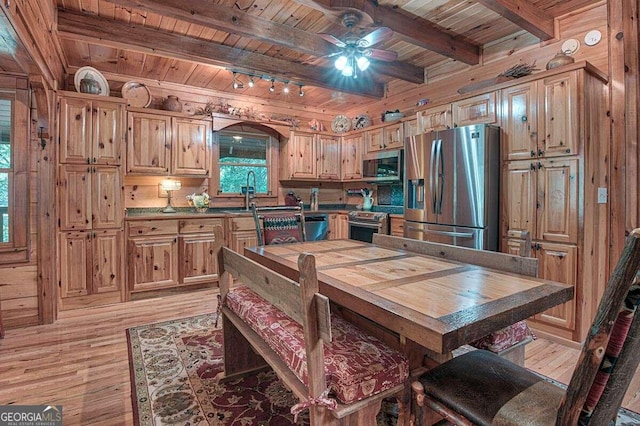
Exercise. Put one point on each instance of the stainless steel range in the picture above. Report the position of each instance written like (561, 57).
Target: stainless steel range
(362, 225)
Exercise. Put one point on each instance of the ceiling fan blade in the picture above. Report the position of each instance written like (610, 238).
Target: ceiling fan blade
(376, 36)
(317, 60)
(332, 39)
(383, 55)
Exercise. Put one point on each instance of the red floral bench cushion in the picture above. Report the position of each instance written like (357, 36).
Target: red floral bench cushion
(504, 338)
(357, 365)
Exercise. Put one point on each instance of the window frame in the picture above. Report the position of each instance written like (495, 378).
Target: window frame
(17, 249)
(272, 153)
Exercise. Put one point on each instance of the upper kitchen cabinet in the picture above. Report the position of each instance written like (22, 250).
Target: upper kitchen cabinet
(91, 129)
(306, 156)
(162, 144)
(352, 157)
(541, 119)
(434, 119)
(479, 109)
(385, 138)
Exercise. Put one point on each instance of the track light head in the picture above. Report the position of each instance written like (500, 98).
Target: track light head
(300, 92)
(273, 87)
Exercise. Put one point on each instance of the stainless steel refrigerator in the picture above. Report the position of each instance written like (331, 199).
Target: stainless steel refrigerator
(452, 180)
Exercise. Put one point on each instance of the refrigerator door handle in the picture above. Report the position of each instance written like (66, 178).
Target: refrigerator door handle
(447, 233)
(440, 177)
(433, 177)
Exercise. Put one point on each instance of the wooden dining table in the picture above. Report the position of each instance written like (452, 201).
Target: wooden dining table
(416, 301)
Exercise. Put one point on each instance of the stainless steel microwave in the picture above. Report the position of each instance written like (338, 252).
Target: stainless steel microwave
(383, 167)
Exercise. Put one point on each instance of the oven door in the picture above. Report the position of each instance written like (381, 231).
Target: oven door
(363, 231)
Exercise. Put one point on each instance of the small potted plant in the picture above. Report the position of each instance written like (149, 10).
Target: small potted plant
(199, 201)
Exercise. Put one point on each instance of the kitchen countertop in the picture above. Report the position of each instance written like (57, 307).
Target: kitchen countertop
(141, 213)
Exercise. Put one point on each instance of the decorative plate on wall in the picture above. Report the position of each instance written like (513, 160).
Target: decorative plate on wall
(92, 74)
(136, 94)
(361, 121)
(341, 124)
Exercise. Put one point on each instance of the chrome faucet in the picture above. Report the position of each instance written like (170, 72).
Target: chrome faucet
(247, 195)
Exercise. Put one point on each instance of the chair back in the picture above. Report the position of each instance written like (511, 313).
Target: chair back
(278, 225)
(490, 259)
(611, 351)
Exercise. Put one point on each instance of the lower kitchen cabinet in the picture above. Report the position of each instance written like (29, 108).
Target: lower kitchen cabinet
(91, 267)
(397, 226)
(241, 233)
(171, 253)
(338, 226)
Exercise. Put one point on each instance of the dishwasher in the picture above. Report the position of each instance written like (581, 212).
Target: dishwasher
(316, 226)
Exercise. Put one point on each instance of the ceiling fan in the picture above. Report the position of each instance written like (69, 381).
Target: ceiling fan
(356, 50)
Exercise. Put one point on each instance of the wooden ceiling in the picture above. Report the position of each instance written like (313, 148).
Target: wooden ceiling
(198, 42)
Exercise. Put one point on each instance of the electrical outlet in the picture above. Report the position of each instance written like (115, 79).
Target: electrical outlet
(602, 195)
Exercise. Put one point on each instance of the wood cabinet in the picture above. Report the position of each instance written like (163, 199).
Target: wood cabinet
(410, 128)
(385, 138)
(542, 197)
(479, 109)
(310, 156)
(91, 131)
(241, 233)
(90, 196)
(396, 227)
(351, 157)
(434, 119)
(91, 264)
(168, 253)
(541, 118)
(338, 226)
(160, 144)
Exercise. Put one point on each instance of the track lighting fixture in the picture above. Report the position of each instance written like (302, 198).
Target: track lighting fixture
(273, 87)
(251, 79)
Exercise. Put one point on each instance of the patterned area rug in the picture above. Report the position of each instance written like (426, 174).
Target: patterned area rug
(173, 367)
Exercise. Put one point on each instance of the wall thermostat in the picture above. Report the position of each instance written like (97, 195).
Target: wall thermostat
(592, 38)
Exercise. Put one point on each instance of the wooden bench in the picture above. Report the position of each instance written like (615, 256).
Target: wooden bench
(509, 342)
(336, 370)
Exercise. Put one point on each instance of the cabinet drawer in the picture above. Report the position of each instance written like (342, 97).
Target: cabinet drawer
(397, 227)
(153, 227)
(242, 224)
(198, 226)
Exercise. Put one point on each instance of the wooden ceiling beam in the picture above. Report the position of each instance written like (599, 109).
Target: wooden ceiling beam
(409, 27)
(232, 21)
(141, 39)
(525, 15)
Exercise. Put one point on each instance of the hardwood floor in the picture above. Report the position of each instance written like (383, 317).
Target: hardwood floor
(81, 361)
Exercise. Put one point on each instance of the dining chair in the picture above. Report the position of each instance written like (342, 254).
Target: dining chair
(481, 388)
(278, 225)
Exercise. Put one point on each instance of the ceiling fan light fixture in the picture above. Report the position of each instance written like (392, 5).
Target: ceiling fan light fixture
(341, 62)
(347, 71)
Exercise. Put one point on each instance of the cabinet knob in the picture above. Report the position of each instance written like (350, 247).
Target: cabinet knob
(533, 153)
(540, 152)
(524, 118)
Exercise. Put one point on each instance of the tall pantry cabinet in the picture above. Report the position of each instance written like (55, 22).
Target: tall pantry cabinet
(90, 200)
(554, 149)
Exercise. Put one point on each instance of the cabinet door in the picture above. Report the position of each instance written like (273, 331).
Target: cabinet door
(519, 197)
(74, 190)
(352, 157)
(75, 131)
(558, 262)
(558, 200)
(410, 128)
(480, 109)
(302, 155)
(560, 120)
(108, 266)
(108, 132)
(436, 118)
(190, 146)
(240, 239)
(374, 140)
(198, 260)
(152, 263)
(328, 158)
(397, 226)
(107, 197)
(393, 136)
(148, 144)
(519, 122)
(342, 230)
(75, 264)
